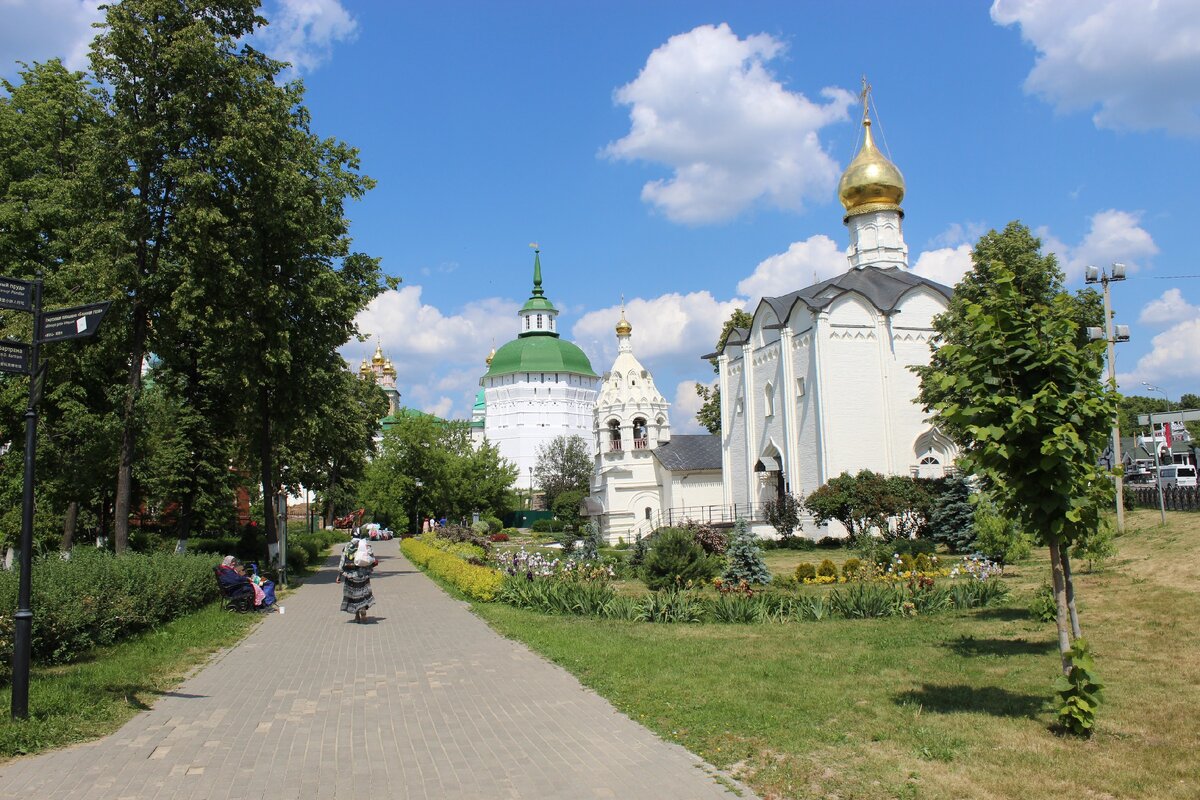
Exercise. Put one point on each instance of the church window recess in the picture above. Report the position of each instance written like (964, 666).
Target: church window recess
(526, 323)
(769, 400)
(539, 321)
(614, 436)
(799, 387)
(640, 441)
(930, 459)
(647, 512)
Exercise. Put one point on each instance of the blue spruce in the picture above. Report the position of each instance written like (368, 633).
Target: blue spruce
(745, 557)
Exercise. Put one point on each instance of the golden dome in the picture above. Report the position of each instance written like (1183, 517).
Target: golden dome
(490, 356)
(871, 182)
(378, 357)
(365, 367)
(623, 327)
(388, 369)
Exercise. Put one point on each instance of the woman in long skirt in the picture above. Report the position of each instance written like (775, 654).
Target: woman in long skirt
(355, 575)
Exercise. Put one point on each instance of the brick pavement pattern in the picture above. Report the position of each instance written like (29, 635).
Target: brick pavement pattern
(424, 702)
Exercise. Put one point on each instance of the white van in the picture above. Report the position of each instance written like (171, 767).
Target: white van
(1177, 475)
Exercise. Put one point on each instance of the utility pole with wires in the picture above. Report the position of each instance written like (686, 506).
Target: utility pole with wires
(1111, 334)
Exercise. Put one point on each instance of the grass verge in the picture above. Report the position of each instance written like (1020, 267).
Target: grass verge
(949, 706)
(95, 696)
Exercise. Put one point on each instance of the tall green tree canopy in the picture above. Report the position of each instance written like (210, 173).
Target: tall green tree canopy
(1015, 382)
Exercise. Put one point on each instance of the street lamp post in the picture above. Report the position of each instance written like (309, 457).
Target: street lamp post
(1162, 506)
(531, 488)
(1120, 334)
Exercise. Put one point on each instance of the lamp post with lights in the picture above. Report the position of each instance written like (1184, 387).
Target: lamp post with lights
(1110, 334)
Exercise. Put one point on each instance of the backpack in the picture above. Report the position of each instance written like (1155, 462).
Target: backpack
(362, 555)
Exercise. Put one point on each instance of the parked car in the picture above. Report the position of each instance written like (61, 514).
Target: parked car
(1177, 475)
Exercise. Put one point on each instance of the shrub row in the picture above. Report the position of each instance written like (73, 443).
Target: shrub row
(96, 599)
(862, 601)
(480, 583)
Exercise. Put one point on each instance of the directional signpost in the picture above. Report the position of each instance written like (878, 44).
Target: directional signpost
(18, 358)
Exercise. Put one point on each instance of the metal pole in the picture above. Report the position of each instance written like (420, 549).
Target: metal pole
(23, 620)
(1162, 508)
(1118, 462)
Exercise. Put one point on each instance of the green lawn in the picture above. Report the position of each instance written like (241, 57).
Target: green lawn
(949, 706)
(95, 696)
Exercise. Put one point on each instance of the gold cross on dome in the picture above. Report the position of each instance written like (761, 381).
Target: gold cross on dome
(865, 95)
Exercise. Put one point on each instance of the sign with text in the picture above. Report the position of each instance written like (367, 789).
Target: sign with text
(71, 323)
(16, 294)
(1174, 418)
(14, 357)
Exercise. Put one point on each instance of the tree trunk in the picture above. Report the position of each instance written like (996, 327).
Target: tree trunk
(186, 505)
(266, 468)
(1060, 602)
(1070, 587)
(69, 524)
(334, 476)
(129, 432)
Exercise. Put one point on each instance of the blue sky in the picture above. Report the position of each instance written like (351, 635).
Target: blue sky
(685, 155)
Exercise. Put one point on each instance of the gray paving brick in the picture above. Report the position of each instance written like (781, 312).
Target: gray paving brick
(426, 703)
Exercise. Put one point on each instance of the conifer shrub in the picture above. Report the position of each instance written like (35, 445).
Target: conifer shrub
(851, 569)
(744, 558)
(952, 517)
(805, 571)
(674, 558)
(827, 569)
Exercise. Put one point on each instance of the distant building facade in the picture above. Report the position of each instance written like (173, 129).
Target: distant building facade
(644, 476)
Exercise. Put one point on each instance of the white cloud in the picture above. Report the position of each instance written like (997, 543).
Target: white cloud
(706, 106)
(958, 233)
(438, 357)
(1136, 63)
(945, 265)
(684, 408)
(677, 328)
(1114, 236)
(303, 32)
(1168, 310)
(1172, 358)
(38, 30)
(803, 264)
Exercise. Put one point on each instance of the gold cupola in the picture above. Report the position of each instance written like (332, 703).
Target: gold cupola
(871, 182)
(378, 357)
(623, 326)
(490, 356)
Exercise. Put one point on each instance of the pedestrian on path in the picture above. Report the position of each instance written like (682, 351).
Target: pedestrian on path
(358, 561)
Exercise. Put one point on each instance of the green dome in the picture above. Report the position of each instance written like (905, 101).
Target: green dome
(539, 353)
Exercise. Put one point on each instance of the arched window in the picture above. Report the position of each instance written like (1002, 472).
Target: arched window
(930, 459)
(614, 435)
(769, 400)
(526, 323)
(539, 321)
(647, 512)
(639, 434)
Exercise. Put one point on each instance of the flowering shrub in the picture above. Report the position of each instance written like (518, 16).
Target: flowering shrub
(977, 567)
(500, 536)
(536, 565)
(481, 583)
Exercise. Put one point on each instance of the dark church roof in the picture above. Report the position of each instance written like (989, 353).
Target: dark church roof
(690, 451)
(883, 287)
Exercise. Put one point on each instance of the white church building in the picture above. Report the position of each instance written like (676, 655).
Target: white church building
(820, 382)
(644, 476)
(537, 387)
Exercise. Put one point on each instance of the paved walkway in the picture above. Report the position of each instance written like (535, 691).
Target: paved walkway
(425, 702)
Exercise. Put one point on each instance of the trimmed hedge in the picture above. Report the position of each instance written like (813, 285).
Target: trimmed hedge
(96, 599)
(480, 583)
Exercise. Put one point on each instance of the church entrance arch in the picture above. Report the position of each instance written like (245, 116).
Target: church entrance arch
(933, 454)
(769, 469)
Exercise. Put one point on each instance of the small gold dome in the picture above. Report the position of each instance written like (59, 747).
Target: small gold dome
(623, 327)
(871, 182)
(365, 367)
(378, 357)
(388, 369)
(490, 356)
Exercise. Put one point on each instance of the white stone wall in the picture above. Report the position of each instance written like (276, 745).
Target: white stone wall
(527, 410)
